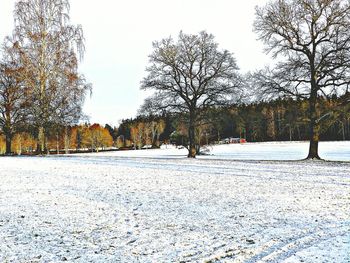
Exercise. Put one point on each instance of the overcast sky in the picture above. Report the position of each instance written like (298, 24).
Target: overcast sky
(119, 37)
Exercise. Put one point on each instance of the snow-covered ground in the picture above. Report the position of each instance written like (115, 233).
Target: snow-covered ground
(334, 151)
(123, 207)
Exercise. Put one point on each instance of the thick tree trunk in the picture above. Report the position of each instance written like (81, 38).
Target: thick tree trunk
(8, 144)
(41, 141)
(191, 136)
(313, 150)
(314, 122)
(314, 126)
(8, 131)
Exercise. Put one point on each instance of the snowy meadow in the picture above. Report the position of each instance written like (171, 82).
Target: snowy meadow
(236, 204)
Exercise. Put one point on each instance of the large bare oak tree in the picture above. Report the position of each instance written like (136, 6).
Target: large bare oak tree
(189, 76)
(311, 40)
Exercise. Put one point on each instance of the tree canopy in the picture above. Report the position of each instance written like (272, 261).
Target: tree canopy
(191, 75)
(310, 39)
(49, 48)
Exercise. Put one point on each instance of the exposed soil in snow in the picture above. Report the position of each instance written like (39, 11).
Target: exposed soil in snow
(105, 208)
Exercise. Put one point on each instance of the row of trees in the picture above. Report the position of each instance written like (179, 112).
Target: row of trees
(193, 80)
(63, 139)
(40, 87)
(139, 132)
(308, 38)
(276, 120)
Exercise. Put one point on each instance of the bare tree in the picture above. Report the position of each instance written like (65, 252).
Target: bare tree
(160, 130)
(49, 49)
(134, 135)
(140, 134)
(189, 76)
(13, 96)
(310, 39)
(153, 125)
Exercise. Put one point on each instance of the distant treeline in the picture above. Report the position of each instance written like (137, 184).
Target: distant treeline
(278, 120)
(62, 139)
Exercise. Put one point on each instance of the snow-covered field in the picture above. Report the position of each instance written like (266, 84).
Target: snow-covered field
(123, 207)
(334, 151)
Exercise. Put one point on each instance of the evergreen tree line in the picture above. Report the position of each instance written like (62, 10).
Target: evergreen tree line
(277, 120)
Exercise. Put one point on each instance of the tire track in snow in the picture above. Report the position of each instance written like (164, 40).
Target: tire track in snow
(283, 250)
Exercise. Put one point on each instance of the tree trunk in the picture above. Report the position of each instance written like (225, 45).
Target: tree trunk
(66, 140)
(20, 145)
(41, 141)
(314, 121)
(313, 149)
(157, 142)
(314, 127)
(298, 130)
(290, 132)
(57, 144)
(343, 130)
(191, 136)
(8, 131)
(8, 144)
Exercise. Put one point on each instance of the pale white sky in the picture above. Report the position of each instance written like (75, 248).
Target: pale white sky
(119, 37)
